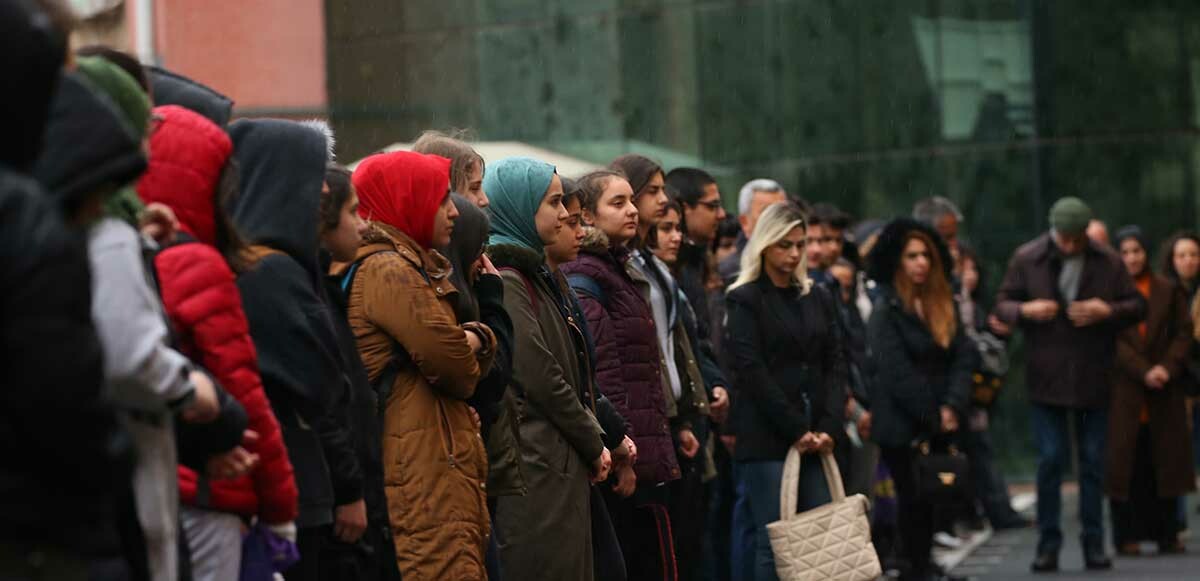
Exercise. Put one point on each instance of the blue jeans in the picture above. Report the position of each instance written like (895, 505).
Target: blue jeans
(1054, 443)
(758, 489)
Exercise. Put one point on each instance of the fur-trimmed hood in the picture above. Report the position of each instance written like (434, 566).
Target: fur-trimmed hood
(885, 256)
(595, 241)
(515, 256)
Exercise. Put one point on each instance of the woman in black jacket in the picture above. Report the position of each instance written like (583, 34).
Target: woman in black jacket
(789, 375)
(922, 363)
(361, 547)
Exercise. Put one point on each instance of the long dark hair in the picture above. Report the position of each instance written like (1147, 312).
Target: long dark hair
(229, 241)
(1168, 258)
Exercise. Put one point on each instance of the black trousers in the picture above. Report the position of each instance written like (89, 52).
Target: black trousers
(643, 528)
(915, 515)
(687, 507)
(1145, 516)
(325, 558)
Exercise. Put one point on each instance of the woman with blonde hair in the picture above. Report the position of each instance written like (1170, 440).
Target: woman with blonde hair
(922, 360)
(789, 375)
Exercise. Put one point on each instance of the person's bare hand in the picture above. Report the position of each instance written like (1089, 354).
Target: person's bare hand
(1158, 377)
(1089, 312)
(633, 449)
(824, 442)
(720, 405)
(158, 221)
(475, 416)
(232, 464)
(730, 442)
(474, 341)
(1039, 310)
(807, 443)
(864, 425)
(688, 444)
(350, 521)
(622, 454)
(949, 419)
(205, 406)
(1000, 328)
(486, 266)
(626, 482)
(601, 465)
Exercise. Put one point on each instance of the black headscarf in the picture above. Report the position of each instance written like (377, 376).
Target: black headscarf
(466, 244)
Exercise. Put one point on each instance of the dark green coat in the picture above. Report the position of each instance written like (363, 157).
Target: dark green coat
(559, 436)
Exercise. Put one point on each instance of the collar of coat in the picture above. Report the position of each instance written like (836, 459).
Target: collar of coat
(381, 237)
(1048, 250)
(513, 256)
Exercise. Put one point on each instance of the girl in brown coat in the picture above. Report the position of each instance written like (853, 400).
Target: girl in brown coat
(1149, 452)
(425, 365)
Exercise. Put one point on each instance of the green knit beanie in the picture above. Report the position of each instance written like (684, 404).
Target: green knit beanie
(121, 88)
(1070, 216)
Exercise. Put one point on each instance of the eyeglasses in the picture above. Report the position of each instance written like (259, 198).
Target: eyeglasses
(714, 205)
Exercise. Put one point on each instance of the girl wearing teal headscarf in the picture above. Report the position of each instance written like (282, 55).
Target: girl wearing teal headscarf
(561, 449)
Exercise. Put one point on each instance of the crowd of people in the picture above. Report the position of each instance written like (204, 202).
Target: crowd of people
(229, 357)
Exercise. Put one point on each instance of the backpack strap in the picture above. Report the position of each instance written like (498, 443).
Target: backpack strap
(400, 356)
(533, 297)
(582, 283)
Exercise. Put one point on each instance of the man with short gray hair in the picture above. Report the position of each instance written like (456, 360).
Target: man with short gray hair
(943, 216)
(753, 198)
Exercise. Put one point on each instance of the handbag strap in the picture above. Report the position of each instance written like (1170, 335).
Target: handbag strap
(789, 487)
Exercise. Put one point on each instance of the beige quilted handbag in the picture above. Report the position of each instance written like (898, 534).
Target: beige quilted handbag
(828, 543)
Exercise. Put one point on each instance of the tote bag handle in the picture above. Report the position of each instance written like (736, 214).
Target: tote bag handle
(789, 488)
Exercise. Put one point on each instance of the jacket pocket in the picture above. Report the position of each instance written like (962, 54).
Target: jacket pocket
(447, 433)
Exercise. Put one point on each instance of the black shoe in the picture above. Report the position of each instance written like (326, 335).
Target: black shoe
(1095, 559)
(1045, 563)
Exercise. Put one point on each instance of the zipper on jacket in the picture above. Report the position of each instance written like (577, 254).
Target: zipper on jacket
(448, 440)
(587, 364)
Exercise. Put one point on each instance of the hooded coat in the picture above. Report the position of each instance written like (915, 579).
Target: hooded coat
(202, 301)
(88, 148)
(401, 310)
(627, 353)
(911, 375)
(553, 393)
(170, 88)
(56, 433)
(145, 377)
(282, 169)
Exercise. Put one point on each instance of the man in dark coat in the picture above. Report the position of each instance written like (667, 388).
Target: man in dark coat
(1071, 297)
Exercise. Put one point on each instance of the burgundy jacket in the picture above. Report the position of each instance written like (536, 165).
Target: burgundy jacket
(627, 356)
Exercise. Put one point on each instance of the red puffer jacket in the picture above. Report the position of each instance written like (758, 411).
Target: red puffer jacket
(201, 298)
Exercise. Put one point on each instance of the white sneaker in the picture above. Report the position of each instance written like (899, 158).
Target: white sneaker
(947, 540)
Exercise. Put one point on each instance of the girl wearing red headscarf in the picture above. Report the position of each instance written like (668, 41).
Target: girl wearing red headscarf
(424, 364)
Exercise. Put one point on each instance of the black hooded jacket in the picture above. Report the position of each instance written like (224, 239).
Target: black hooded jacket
(170, 88)
(911, 375)
(361, 414)
(64, 454)
(88, 145)
(282, 170)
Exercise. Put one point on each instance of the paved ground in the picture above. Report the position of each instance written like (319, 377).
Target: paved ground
(1007, 555)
